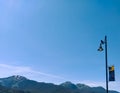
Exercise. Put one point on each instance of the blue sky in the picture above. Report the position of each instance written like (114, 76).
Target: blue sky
(57, 40)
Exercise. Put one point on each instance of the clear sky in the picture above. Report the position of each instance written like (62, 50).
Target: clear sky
(57, 40)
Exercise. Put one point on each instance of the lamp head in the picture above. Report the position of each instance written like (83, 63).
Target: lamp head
(100, 48)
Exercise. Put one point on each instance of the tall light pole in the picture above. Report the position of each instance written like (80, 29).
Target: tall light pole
(106, 63)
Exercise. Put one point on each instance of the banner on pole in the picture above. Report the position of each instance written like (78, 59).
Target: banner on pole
(111, 73)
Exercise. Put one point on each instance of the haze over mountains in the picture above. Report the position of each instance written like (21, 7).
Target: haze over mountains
(20, 84)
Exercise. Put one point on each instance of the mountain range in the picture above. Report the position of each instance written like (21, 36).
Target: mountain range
(20, 84)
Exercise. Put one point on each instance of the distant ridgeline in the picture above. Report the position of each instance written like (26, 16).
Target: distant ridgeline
(20, 84)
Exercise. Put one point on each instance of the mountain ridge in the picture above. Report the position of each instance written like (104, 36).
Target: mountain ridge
(22, 83)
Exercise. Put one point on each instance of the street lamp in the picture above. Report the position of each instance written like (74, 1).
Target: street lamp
(106, 63)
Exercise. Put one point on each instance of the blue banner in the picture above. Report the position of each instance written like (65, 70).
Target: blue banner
(111, 73)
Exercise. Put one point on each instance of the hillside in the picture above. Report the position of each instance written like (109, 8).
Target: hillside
(22, 83)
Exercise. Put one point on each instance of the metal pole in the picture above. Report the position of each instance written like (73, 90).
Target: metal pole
(106, 64)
